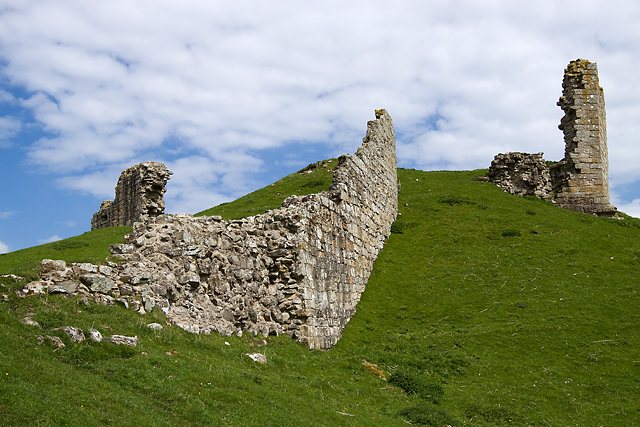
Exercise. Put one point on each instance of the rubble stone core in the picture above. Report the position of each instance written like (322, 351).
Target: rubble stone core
(580, 181)
(298, 270)
(139, 195)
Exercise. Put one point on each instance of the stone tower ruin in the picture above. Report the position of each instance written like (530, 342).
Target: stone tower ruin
(139, 196)
(580, 181)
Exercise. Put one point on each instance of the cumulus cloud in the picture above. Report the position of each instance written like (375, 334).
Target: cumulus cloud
(53, 238)
(4, 248)
(212, 88)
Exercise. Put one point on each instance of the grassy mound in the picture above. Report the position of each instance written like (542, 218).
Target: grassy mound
(483, 309)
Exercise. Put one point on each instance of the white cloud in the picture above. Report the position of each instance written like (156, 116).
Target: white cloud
(9, 127)
(632, 208)
(210, 88)
(4, 248)
(7, 214)
(53, 238)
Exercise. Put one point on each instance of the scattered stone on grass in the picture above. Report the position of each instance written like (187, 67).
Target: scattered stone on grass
(96, 336)
(56, 342)
(75, 334)
(31, 288)
(29, 321)
(122, 340)
(257, 357)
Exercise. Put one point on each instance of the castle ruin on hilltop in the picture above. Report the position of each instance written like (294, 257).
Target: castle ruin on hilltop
(298, 270)
(139, 196)
(580, 181)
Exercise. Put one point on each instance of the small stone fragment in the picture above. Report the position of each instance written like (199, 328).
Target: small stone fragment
(96, 336)
(29, 321)
(122, 340)
(258, 357)
(75, 334)
(31, 288)
(154, 326)
(56, 342)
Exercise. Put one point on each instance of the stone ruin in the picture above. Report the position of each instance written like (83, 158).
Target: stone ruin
(580, 181)
(139, 196)
(298, 270)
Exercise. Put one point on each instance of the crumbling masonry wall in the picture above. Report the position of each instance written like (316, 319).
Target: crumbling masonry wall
(139, 195)
(580, 181)
(582, 177)
(298, 270)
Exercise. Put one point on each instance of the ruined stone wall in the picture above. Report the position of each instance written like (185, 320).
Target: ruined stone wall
(298, 270)
(580, 181)
(139, 195)
(521, 174)
(583, 175)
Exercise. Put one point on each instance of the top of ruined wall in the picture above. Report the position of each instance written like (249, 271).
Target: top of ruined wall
(139, 195)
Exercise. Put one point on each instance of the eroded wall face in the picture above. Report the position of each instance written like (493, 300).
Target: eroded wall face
(584, 172)
(522, 174)
(139, 196)
(298, 270)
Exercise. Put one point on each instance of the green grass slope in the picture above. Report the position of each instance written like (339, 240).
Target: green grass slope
(484, 309)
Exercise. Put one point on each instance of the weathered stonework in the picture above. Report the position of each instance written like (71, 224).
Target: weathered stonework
(139, 195)
(582, 177)
(580, 181)
(298, 270)
(521, 174)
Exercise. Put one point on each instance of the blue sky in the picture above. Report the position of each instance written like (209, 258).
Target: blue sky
(234, 95)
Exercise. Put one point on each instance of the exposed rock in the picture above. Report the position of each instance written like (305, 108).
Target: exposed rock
(154, 326)
(139, 196)
(56, 342)
(122, 340)
(29, 321)
(31, 288)
(96, 336)
(75, 334)
(14, 277)
(258, 357)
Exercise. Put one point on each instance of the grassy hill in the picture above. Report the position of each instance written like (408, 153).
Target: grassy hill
(484, 309)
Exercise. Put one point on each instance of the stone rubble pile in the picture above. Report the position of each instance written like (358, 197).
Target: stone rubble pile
(521, 174)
